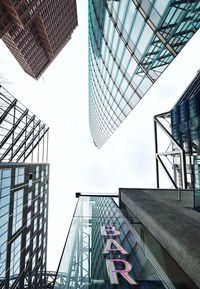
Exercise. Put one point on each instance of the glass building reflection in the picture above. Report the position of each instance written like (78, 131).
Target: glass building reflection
(106, 249)
(130, 44)
(23, 225)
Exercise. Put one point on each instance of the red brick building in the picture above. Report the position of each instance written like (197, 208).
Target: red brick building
(35, 31)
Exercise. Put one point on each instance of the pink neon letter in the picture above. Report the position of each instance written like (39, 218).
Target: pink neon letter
(108, 245)
(112, 229)
(112, 272)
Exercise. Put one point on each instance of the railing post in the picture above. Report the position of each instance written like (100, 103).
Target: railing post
(179, 194)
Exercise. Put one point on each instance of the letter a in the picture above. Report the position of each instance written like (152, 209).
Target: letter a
(112, 272)
(108, 248)
(112, 231)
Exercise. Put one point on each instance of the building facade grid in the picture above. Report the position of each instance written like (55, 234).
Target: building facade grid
(24, 213)
(130, 44)
(36, 31)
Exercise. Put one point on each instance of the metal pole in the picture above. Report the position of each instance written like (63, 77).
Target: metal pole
(14, 115)
(43, 149)
(25, 138)
(47, 146)
(179, 194)
(156, 151)
(32, 141)
(38, 156)
(183, 170)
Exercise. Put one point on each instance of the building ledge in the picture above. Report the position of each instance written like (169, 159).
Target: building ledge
(173, 223)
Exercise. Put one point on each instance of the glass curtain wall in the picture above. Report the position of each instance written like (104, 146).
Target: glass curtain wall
(23, 225)
(185, 129)
(105, 249)
(131, 43)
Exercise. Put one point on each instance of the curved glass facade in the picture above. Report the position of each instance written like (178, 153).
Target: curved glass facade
(131, 43)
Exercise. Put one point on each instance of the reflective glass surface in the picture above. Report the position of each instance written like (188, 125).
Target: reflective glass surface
(23, 226)
(185, 128)
(5, 183)
(105, 249)
(131, 43)
(17, 210)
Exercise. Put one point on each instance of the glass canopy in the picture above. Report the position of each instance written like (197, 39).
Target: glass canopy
(105, 250)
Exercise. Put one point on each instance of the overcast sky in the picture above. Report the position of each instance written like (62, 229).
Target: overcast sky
(60, 99)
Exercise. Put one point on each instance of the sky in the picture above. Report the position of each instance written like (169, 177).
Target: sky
(60, 99)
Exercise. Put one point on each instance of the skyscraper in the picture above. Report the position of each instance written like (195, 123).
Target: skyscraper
(36, 31)
(130, 44)
(23, 195)
(108, 247)
(23, 225)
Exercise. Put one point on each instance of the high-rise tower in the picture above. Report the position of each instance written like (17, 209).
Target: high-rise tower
(36, 31)
(23, 195)
(23, 214)
(130, 44)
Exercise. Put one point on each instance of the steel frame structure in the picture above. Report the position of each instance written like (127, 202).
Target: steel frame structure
(79, 263)
(46, 283)
(186, 156)
(21, 132)
(176, 150)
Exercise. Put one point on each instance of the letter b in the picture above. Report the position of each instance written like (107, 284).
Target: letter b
(109, 231)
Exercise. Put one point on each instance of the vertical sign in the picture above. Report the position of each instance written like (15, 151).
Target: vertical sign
(110, 231)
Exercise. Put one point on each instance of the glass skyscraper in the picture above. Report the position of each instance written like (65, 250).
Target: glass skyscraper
(23, 195)
(108, 247)
(23, 225)
(130, 44)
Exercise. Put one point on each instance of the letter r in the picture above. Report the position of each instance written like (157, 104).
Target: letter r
(112, 272)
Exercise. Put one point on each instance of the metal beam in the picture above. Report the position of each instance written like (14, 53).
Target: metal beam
(16, 139)
(179, 150)
(166, 171)
(31, 143)
(126, 43)
(167, 133)
(154, 28)
(24, 141)
(175, 152)
(179, 2)
(156, 151)
(13, 128)
(35, 144)
(7, 110)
